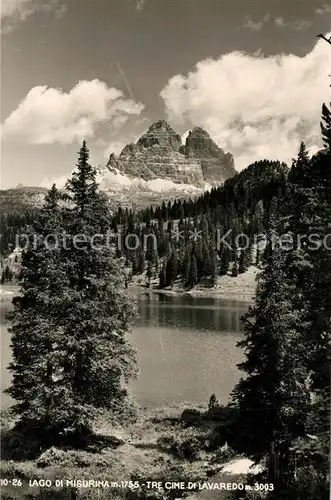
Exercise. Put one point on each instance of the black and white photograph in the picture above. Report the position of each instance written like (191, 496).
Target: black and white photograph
(165, 249)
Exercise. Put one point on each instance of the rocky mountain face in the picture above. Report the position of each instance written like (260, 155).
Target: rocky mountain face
(160, 154)
(216, 165)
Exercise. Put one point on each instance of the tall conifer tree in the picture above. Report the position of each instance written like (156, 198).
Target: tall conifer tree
(273, 397)
(72, 355)
(37, 336)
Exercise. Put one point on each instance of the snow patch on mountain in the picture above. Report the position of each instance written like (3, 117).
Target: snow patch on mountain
(117, 181)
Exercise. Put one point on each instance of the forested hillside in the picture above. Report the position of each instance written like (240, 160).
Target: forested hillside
(184, 238)
(203, 237)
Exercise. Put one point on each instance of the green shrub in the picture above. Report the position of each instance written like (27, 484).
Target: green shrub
(73, 458)
(19, 444)
(122, 414)
(191, 417)
(18, 470)
(213, 402)
(223, 454)
(185, 445)
(7, 419)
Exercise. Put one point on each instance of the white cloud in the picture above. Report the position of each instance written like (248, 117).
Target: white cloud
(58, 181)
(304, 24)
(255, 107)
(49, 115)
(15, 11)
(60, 11)
(115, 147)
(116, 181)
(252, 25)
(140, 4)
(325, 9)
(297, 25)
(15, 8)
(118, 142)
(279, 21)
(256, 25)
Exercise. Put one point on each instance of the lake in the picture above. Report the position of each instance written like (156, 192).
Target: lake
(186, 348)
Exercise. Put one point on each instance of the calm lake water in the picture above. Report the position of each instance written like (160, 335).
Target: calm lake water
(186, 349)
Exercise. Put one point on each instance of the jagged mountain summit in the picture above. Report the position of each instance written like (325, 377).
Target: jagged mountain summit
(159, 161)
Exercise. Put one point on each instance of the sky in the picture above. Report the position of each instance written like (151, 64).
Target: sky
(250, 72)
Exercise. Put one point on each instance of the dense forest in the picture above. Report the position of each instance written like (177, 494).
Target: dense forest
(183, 239)
(201, 238)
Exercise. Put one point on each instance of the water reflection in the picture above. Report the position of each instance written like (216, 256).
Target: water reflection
(191, 312)
(186, 348)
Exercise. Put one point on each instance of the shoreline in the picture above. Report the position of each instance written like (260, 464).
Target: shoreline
(196, 293)
(208, 294)
(241, 288)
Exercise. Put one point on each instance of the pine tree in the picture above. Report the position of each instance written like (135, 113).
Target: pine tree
(213, 268)
(193, 274)
(162, 278)
(186, 266)
(258, 218)
(286, 393)
(245, 259)
(70, 347)
(97, 324)
(171, 269)
(326, 126)
(155, 260)
(242, 264)
(258, 255)
(225, 259)
(318, 296)
(309, 267)
(273, 396)
(207, 263)
(170, 227)
(141, 262)
(37, 335)
(149, 272)
(213, 402)
(6, 275)
(234, 270)
(134, 264)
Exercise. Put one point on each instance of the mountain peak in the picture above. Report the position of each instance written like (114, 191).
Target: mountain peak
(160, 134)
(160, 156)
(200, 144)
(160, 124)
(199, 132)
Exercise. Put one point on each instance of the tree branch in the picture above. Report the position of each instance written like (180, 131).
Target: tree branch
(324, 38)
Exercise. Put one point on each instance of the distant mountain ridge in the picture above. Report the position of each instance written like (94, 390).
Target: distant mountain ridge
(22, 197)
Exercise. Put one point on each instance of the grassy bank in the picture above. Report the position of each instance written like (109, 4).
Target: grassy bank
(177, 444)
(240, 288)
